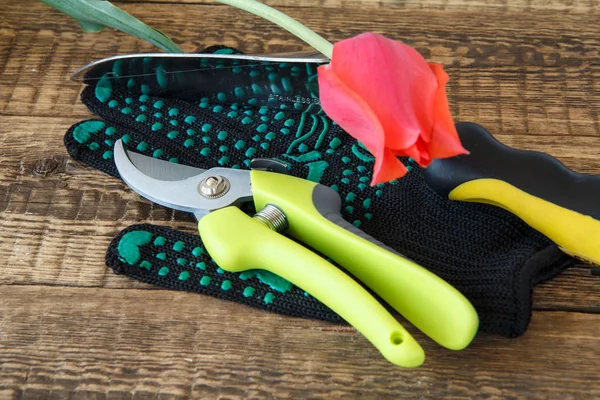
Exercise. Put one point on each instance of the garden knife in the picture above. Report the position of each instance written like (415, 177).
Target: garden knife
(560, 203)
(286, 81)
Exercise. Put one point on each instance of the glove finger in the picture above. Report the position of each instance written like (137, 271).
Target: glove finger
(208, 134)
(92, 141)
(177, 260)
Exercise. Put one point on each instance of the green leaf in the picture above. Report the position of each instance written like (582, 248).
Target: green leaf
(93, 15)
(91, 26)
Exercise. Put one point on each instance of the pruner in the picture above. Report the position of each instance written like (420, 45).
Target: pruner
(309, 212)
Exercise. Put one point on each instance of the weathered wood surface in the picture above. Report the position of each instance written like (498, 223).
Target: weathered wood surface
(60, 342)
(69, 328)
(568, 6)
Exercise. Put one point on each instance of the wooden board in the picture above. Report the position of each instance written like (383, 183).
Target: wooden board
(59, 342)
(495, 6)
(69, 328)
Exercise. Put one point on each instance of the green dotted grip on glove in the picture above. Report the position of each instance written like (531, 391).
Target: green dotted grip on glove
(431, 304)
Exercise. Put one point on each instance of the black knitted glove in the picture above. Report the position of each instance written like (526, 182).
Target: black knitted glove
(492, 257)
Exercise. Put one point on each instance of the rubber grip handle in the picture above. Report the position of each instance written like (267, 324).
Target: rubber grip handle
(313, 211)
(238, 242)
(560, 203)
(575, 234)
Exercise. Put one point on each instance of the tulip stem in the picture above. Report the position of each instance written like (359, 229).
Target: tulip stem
(284, 21)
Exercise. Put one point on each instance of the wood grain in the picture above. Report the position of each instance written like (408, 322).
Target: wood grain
(565, 6)
(528, 70)
(58, 342)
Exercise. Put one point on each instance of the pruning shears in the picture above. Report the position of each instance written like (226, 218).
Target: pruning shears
(290, 207)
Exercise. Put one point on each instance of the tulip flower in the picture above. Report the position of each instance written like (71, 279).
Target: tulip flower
(385, 95)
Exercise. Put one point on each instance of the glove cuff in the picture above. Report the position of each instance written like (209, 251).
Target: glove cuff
(540, 267)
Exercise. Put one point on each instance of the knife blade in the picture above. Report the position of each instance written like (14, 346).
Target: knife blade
(286, 80)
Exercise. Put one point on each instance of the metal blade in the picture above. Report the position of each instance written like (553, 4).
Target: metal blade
(218, 79)
(150, 64)
(162, 170)
(177, 186)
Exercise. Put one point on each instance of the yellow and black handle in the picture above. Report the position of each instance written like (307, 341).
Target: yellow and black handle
(560, 203)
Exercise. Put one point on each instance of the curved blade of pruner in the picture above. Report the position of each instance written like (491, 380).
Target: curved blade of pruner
(181, 187)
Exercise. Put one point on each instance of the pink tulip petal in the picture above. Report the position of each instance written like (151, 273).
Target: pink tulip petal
(348, 110)
(384, 94)
(387, 168)
(412, 152)
(425, 158)
(444, 138)
(353, 115)
(419, 153)
(393, 79)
